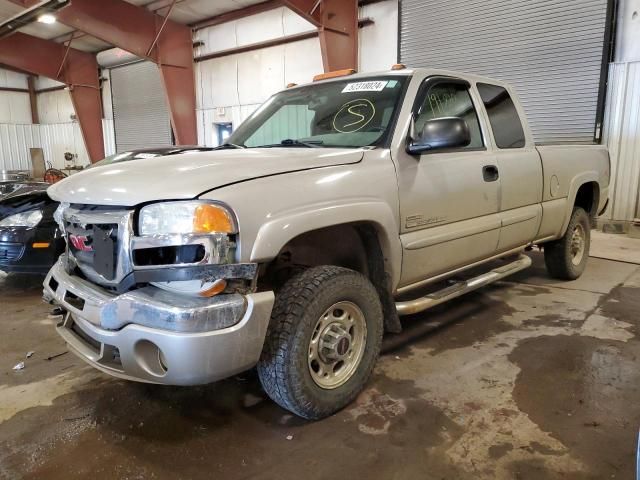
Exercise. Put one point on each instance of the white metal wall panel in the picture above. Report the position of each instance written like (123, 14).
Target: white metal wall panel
(12, 79)
(622, 123)
(15, 142)
(276, 23)
(378, 43)
(549, 50)
(58, 138)
(55, 107)
(140, 113)
(15, 107)
(109, 137)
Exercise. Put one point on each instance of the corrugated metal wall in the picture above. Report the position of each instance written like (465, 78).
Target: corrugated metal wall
(54, 139)
(549, 50)
(15, 142)
(622, 136)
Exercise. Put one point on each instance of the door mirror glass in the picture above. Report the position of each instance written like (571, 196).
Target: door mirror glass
(440, 133)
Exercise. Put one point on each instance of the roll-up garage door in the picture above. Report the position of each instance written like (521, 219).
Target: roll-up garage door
(551, 52)
(140, 114)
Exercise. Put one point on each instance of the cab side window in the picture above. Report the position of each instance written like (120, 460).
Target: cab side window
(450, 100)
(503, 116)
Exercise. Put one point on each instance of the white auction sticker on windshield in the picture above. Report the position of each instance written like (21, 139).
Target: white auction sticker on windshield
(373, 86)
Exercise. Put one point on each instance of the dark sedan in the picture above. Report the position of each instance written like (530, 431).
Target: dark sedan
(30, 240)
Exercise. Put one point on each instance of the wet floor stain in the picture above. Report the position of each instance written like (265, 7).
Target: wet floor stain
(586, 394)
(517, 381)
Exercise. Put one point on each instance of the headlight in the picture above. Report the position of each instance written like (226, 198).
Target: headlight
(185, 217)
(24, 219)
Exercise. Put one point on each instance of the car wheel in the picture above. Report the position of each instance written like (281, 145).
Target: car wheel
(566, 258)
(323, 341)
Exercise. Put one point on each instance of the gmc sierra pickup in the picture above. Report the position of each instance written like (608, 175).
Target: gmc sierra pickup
(296, 245)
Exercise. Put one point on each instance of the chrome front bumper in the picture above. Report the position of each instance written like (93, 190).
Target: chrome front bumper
(154, 336)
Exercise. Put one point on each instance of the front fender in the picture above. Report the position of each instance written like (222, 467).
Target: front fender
(277, 232)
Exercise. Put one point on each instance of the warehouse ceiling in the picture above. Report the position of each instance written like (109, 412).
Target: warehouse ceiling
(185, 11)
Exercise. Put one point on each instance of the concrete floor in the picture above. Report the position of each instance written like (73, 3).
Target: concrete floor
(527, 379)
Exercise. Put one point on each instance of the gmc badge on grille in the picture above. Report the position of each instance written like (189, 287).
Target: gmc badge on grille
(79, 242)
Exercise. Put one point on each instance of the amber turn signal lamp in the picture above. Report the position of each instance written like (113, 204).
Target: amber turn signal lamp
(41, 245)
(211, 218)
(398, 66)
(217, 287)
(334, 74)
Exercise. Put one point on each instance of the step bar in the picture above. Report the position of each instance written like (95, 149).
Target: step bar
(458, 289)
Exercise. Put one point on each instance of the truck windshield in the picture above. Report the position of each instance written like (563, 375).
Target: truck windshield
(347, 113)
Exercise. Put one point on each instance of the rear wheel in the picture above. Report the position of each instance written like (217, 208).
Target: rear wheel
(323, 341)
(566, 258)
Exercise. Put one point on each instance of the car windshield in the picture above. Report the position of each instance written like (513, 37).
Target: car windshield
(348, 113)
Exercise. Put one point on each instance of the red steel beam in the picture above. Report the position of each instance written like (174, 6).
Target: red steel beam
(337, 22)
(151, 36)
(79, 72)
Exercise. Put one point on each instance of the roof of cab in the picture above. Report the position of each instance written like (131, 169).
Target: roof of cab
(408, 72)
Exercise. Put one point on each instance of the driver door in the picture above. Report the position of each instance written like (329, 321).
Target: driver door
(449, 198)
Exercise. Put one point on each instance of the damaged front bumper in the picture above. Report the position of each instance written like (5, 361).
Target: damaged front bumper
(155, 336)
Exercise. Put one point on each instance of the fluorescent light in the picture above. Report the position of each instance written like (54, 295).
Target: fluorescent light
(47, 18)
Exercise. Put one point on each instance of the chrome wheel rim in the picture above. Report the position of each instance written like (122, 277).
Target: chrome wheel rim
(578, 244)
(337, 345)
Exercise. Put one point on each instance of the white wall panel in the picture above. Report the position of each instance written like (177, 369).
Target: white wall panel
(302, 60)
(107, 103)
(218, 82)
(628, 31)
(378, 43)
(15, 107)
(15, 142)
(623, 140)
(59, 138)
(44, 82)
(12, 79)
(260, 74)
(263, 26)
(55, 107)
(109, 136)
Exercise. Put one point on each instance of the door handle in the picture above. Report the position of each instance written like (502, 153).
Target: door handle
(490, 173)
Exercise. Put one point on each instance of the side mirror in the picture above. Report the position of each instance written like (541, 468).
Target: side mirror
(440, 133)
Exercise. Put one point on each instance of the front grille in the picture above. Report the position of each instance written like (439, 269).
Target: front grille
(10, 252)
(98, 241)
(94, 246)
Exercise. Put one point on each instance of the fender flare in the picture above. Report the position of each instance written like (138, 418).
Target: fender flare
(284, 227)
(576, 183)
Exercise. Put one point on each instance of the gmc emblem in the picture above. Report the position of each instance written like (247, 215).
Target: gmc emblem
(79, 242)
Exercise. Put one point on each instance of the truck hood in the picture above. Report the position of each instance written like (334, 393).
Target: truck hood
(185, 176)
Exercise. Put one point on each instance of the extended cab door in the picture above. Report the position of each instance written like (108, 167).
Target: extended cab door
(449, 199)
(519, 164)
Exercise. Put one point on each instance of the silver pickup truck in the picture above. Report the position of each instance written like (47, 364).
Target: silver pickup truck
(298, 244)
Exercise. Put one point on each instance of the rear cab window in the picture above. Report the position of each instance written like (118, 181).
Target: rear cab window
(503, 116)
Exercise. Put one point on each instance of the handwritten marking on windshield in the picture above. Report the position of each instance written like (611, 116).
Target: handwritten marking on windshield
(354, 115)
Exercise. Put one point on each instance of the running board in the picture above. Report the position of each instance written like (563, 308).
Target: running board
(459, 289)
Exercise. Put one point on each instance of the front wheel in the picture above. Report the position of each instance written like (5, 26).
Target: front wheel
(566, 258)
(323, 341)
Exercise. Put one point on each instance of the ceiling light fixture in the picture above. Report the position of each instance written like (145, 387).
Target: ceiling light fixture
(47, 18)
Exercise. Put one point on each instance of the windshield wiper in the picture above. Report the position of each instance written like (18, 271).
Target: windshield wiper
(289, 142)
(226, 146)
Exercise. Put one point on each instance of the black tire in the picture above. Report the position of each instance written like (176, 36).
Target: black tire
(284, 368)
(559, 255)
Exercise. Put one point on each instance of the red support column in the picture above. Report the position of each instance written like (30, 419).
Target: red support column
(337, 22)
(78, 70)
(151, 36)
